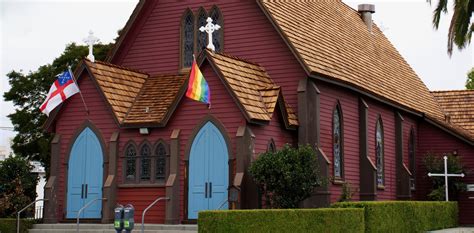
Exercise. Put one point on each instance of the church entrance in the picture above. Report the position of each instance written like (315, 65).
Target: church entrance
(208, 171)
(85, 174)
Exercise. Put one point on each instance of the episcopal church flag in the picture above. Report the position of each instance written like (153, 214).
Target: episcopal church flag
(197, 86)
(63, 88)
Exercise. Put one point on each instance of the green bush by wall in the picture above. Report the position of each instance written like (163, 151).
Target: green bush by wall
(282, 220)
(8, 225)
(406, 216)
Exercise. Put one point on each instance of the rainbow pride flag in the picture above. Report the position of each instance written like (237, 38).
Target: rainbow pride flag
(197, 86)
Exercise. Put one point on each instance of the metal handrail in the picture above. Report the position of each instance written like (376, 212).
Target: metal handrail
(83, 208)
(19, 212)
(151, 205)
(222, 204)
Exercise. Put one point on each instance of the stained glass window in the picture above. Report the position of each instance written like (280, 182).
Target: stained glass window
(160, 153)
(130, 166)
(411, 157)
(379, 153)
(271, 146)
(337, 142)
(145, 162)
(217, 36)
(202, 36)
(188, 39)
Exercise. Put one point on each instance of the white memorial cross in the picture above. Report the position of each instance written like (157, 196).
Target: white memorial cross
(210, 28)
(446, 175)
(91, 40)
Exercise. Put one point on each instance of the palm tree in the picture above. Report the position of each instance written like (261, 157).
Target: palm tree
(460, 29)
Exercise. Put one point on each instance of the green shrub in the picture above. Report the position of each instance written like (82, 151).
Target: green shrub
(287, 176)
(8, 225)
(282, 220)
(405, 216)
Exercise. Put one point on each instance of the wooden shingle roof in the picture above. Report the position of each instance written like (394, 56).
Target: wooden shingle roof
(157, 100)
(330, 39)
(458, 106)
(252, 87)
(119, 85)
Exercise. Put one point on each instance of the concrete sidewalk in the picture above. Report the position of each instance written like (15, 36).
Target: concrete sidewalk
(455, 230)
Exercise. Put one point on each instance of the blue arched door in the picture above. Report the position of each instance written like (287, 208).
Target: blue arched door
(208, 171)
(85, 174)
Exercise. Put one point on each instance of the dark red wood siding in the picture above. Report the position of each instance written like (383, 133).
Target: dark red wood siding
(434, 140)
(154, 44)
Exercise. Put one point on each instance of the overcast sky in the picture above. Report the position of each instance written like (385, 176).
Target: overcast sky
(33, 33)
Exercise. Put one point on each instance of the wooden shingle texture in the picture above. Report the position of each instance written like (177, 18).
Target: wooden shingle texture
(119, 85)
(332, 41)
(252, 86)
(153, 103)
(458, 106)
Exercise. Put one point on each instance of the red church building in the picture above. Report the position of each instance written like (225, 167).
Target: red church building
(288, 72)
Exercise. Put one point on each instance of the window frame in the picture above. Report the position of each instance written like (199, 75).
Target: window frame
(155, 160)
(271, 146)
(379, 124)
(140, 161)
(125, 163)
(338, 109)
(182, 39)
(220, 22)
(412, 157)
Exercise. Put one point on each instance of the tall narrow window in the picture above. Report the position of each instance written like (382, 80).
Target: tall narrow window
(130, 166)
(379, 152)
(217, 36)
(145, 164)
(411, 158)
(337, 142)
(160, 155)
(187, 37)
(201, 36)
(271, 146)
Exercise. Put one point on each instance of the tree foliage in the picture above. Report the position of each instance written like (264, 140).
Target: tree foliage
(435, 164)
(460, 29)
(17, 185)
(287, 176)
(470, 80)
(27, 94)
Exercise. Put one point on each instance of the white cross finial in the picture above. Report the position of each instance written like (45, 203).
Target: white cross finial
(210, 28)
(91, 40)
(446, 175)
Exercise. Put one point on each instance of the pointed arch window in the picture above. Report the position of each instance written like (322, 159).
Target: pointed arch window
(271, 146)
(187, 39)
(412, 157)
(201, 36)
(130, 165)
(160, 163)
(379, 153)
(337, 143)
(217, 36)
(145, 162)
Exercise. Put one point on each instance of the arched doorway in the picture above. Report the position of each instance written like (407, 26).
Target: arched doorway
(85, 175)
(208, 171)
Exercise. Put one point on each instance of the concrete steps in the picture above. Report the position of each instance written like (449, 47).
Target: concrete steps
(108, 228)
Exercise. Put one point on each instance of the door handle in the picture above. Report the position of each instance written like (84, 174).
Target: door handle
(86, 190)
(205, 191)
(210, 190)
(82, 191)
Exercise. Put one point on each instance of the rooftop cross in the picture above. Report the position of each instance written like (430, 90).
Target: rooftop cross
(91, 40)
(446, 175)
(210, 28)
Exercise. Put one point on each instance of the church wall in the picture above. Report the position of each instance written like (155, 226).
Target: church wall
(154, 45)
(432, 139)
(329, 97)
(387, 115)
(70, 119)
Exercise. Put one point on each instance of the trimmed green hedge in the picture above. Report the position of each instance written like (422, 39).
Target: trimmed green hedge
(8, 225)
(282, 220)
(406, 216)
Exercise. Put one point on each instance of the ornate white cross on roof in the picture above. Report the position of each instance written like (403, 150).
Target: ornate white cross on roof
(210, 28)
(91, 40)
(446, 175)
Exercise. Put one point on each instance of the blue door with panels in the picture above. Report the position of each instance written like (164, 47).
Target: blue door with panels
(85, 175)
(208, 171)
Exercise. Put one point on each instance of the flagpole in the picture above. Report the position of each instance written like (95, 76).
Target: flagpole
(80, 93)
